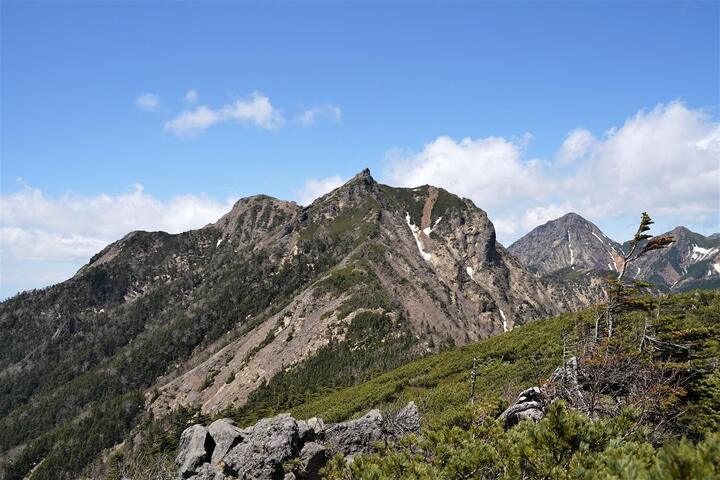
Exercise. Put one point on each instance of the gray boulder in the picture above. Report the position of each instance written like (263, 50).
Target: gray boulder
(317, 424)
(355, 436)
(313, 457)
(305, 431)
(261, 455)
(226, 436)
(530, 404)
(406, 421)
(196, 446)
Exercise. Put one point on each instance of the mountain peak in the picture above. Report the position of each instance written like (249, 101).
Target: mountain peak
(363, 177)
(570, 241)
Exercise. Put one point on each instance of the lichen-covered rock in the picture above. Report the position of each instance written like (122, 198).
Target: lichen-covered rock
(196, 446)
(261, 454)
(226, 436)
(355, 436)
(530, 404)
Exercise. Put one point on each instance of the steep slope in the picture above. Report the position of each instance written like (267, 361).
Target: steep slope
(505, 365)
(362, 280)
(691, 261)
(421, 259)
(567, 242)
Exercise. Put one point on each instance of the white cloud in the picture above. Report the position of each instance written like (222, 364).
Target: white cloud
(191, 96)
(314, 188)
(148, 101)
(576, 146)
(44, 239)
(256, 110)
(311, 115)
(665, 160)
(490, 170)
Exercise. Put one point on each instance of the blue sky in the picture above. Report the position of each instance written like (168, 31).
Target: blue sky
(391, 86)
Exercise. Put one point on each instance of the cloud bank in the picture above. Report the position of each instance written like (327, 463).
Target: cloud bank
(665, 160)
(45, 239)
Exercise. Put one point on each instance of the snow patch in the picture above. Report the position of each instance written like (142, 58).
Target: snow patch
(218, 243)
(716, 266)
(698, 253)
(637, 273)
(611, 265)
(470, 272)
(502, 314)
(428, 230)
(596, 236)
(416, 231)
(572, 255)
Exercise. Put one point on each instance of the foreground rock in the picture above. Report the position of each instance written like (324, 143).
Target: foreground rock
(196, 446)
(283, 447)
(530, 405)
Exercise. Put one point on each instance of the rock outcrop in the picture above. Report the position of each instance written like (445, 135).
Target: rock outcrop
(196, 447)
(530, 405)
(282, 447)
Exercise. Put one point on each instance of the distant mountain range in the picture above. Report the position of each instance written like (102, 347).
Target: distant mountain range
(573, 244)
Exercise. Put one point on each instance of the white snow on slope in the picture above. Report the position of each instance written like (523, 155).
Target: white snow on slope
(611, 265)
(505, 329)
(429, 230)
(415, 231)
(218, 243)
(572, 255)
(699, 253)
(716, 266)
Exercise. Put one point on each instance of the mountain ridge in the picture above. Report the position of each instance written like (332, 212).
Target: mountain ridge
(556, 249)
(363, 279)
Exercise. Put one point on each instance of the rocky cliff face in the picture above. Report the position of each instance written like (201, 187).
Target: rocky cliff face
(365, 278)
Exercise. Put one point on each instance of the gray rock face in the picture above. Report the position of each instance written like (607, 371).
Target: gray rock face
(261, 455)
(226, 436)
(208, 472)
(196, 446)
(407, 421)
(313, 457)
(355, 436)
(530, 404)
